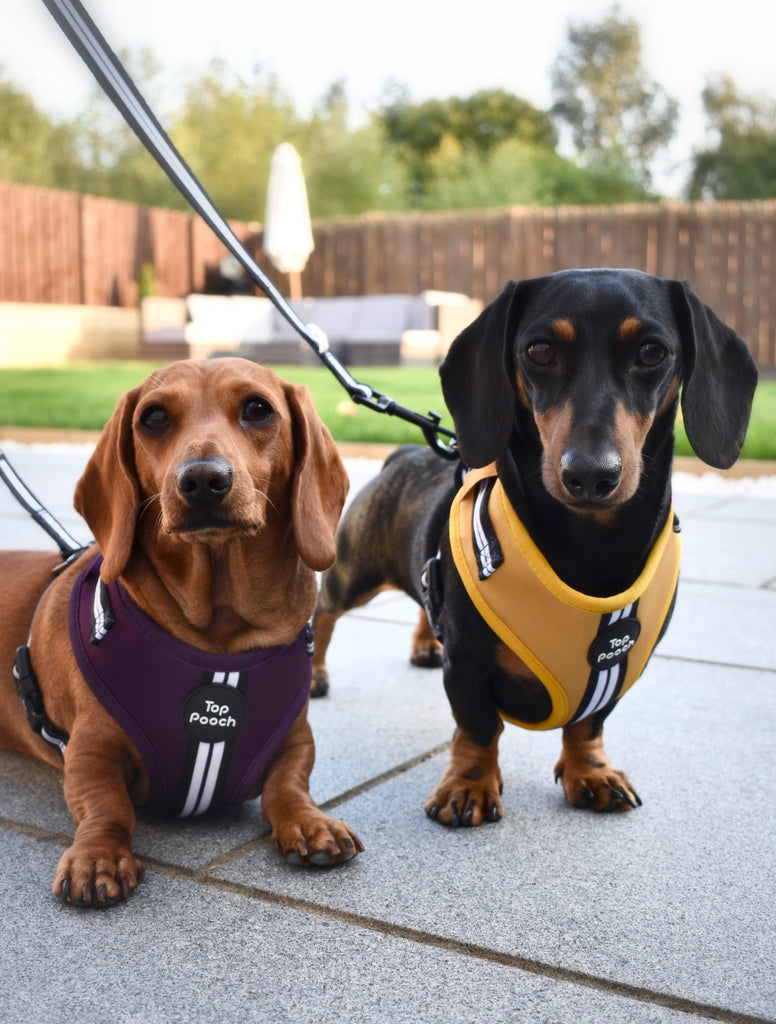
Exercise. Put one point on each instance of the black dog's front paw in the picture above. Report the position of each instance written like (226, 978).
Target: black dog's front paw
(599, 787)
(458, 802)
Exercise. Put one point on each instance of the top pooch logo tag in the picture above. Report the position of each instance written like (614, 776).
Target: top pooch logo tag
(214, 713)
(613, 644)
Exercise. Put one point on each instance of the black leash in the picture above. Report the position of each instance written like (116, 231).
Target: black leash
(84, 35)
(68, 546)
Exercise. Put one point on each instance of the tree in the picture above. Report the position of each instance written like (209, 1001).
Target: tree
(227, 130)
(742, 165)
(349, 170)
(33, 149)
(475, 125)
(616, 114)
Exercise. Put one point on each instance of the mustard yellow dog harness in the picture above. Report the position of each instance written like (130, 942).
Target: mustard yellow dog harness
(587, 651)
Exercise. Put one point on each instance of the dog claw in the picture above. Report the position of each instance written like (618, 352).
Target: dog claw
(494, 814)
(433, 812)
(456, 819)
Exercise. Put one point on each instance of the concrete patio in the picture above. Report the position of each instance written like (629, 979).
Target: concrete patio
(551, 916)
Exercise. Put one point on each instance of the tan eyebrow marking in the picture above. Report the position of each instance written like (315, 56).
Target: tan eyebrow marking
(630, 327)
(564, 330)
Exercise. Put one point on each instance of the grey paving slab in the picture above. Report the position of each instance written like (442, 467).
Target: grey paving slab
(728, 551)
(675, 897)
(553, 915)
(732, 625)
(182, 951)
(742, 510)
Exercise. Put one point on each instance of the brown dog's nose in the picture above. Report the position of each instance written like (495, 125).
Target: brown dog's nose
(589, 477)
(204, 481)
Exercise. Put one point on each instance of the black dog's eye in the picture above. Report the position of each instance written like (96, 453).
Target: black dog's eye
(651, 353)
(256, 410)
(541, 352)
(155, 419)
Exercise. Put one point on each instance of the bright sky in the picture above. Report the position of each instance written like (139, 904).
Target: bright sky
(436, 48)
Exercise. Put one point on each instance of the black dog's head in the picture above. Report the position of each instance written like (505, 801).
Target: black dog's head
(586, 367)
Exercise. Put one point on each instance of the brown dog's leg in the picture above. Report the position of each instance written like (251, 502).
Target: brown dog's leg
(588, 777)
(301, 832)
(426, 650)
(99, 868)
(469, 792)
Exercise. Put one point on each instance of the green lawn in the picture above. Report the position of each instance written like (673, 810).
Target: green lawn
(82, 396)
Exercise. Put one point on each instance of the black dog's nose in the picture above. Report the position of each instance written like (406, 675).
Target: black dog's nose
(589, 477)
(204, 481)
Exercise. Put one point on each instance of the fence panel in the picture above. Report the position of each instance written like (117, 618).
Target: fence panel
(65, 248)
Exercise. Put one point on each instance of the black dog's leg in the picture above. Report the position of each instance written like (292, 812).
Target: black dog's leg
(588, 777)
(469, 792)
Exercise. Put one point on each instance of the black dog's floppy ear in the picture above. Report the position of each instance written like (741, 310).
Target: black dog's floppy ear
(720, 377)
(478, 379)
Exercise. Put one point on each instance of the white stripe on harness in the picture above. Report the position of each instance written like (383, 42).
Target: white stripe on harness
(608, 678)
(207, 764)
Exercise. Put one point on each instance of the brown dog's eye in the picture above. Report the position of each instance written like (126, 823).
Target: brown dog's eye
(155, 419)
(256, 410)
(541, 352)
(651, 353)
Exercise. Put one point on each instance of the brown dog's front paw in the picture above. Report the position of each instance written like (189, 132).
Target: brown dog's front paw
(97, 881)
(318, 841)
(461, 802)
(597, 786)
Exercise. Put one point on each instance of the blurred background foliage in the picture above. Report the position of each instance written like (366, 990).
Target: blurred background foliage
(608, 128)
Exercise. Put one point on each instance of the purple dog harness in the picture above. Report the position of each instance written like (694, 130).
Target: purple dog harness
(206, 725)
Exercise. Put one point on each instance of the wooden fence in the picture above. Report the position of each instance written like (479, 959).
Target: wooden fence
(67, 248)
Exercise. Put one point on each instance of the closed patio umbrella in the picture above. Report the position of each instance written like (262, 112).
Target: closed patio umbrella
(288, 236)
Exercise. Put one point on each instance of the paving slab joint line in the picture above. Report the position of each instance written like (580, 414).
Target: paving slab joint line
(556, 973)
(342, 798)
(688, 660)
(553, 972)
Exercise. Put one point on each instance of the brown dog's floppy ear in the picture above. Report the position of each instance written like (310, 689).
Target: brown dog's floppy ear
(320, 483)
(720, 377)
(107, 495)
(478, 379)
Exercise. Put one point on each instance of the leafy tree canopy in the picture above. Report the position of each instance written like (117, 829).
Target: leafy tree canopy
(742, 164)
(604, 97)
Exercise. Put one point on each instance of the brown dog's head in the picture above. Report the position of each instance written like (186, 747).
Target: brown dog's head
(214, 449)
(592, 362)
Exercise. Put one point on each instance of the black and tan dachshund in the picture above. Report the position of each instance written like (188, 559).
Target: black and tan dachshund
(551, 574)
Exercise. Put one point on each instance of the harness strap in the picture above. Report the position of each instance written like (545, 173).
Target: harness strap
(28, 691)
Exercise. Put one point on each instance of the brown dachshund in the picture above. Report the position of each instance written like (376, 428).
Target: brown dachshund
(169, 666)
(550, 574)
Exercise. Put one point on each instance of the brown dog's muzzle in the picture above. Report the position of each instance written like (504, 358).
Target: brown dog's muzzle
(204, 483)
